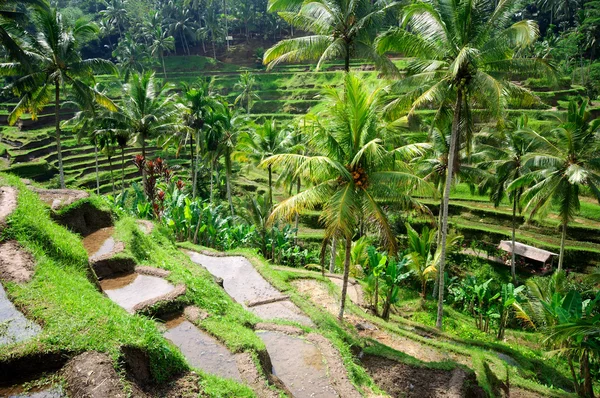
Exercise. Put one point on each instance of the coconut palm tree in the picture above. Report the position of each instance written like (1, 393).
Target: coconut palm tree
(341, 30)
(248, 93)
(464, 54)
(87, 123)
(56, 66)
(566, 162)
(507, 152)
(147, 111)
(107, 141)
(161, 42)
(352, 171)
(116, 15)
(264, 142)
(122, 138)
(131, 57)
(196, 104)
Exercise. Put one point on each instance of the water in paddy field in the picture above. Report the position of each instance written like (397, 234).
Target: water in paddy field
(132, 289)
(202, 350)
(14, 327)
(299, 365)
(39, 392)
(100, 242)
(245, 284)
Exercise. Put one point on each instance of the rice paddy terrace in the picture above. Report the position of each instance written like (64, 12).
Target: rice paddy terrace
(28, 149)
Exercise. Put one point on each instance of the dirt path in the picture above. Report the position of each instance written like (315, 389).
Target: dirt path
(8, 203)
(246, 286)
(58, 198)
(318, 293)
(16, 265)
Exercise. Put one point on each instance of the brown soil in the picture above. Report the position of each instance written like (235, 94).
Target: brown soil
(57, 198)
(520, 393)
(84, 219)
(172, 295)
(318, 293)
(146, 226)
(274, 327)
(195, 314)
(8, 203)
(23, 368)
(354, 290)
(186, 386)
(161, 273)
(92, 375)
(252, 377)
(118, 282)
(401, 380)
(16, 265)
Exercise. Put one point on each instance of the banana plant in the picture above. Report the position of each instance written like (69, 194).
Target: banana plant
(507, 305)
(376, 263)
(484, 310)
(395, 272)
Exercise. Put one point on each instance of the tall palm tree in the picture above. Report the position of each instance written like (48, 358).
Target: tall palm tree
(230, 123)
(196, 105)
(122, 138)
(56, 65)
(147, 111)
(131, 57)
(566, 162)
(463, 54)
(161, 42)
(507, 152)
(264, 142)
(352, 171)
(248, 90)
(115, 14)
(107, 141)
(87, 123)
(341, 29)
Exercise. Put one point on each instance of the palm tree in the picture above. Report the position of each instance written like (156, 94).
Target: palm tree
(11, 32)
(131, 57)
(87, 122)
(115, 14)
(196, 104)
(122, 138)
(147, 111)
(229, 122)
(161, 42)
(106, 142)
(567, 161)
(248, 94)
(507, 153)
(352, 170)
(463, 54)
(341, 29)
(264, 142)
(55, 65)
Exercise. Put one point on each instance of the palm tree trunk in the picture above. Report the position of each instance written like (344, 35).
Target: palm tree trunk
(228, 180)
(162, 58)
(192, 163)
(297, 215)
(112, 177)
(195, 169)
(122, 169)
(211, 181)
(347, 58)
(563, 237)
(333, 250)
(270, 188)
(449, 171)
(214, 49)
(513, 256)
(96, 164)
(144, 177)
(346, 273)
(61, 171)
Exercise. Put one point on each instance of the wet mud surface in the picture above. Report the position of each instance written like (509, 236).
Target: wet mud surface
(244, 284)
(20, 392)
(401, 380)
(132, 289)
(14, 327)
(16, 265)
(201, 350)
(100, 243)
(299, 365)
